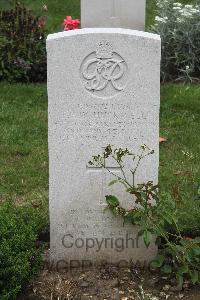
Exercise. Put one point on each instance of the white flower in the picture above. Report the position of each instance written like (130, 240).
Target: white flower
(177, 4)
(179, 20)
(186, 13)
(161, 20)
(194, 11)
(189, 6)
(162, 3)
(177, 8)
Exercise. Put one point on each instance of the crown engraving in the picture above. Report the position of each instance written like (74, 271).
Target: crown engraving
(104, 50)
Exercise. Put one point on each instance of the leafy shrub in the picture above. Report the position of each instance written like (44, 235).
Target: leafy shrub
(19, 258)
(180, 255)
(179, 28)
(22, 46)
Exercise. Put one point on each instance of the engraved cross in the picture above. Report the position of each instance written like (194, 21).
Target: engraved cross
(105, 177)
(97, 168)
(111, 168)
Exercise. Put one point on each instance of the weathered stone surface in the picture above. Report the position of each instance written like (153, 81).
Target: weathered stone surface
(113, 13)
(88, 111)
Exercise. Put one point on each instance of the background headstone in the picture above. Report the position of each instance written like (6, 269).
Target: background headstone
(88, 111)
(113, 13)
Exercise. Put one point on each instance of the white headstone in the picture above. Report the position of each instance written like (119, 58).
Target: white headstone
(103, 88)
(113, 13)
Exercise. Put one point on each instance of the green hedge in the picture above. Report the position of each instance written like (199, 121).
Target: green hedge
(19, 257)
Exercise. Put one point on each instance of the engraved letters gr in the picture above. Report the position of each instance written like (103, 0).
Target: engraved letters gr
(104, 69)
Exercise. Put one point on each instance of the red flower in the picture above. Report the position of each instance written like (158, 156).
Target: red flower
(71, 24)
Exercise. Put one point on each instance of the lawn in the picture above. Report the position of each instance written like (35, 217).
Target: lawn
(58, 9)
(179, 156)
(23, 146)
(24, 155)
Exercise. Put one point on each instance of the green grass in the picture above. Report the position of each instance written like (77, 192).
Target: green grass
(23, 142)
(180, 155)
(24, 155)
(58, 9)
(180, 124)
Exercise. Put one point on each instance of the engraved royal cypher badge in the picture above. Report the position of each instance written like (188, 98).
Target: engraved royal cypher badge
(104, 72)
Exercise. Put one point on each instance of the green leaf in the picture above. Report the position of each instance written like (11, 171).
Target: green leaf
(154, 264)
(113, 182)
(196, 250)
(194, 276)
(158, 261)
(115, 210)
(112, 200)
(183, 269)
(179, 278)
(167, 269)
(124, 184)
(147, 236)
(130, 190)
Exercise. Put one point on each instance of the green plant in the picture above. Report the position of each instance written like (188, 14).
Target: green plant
(157, 215)
(19, 257)
(179, 28)
(22, 46)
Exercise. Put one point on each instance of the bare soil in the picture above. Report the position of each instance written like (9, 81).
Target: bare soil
(107, 282)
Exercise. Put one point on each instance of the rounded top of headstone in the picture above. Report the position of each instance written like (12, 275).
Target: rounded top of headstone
(85, 31)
